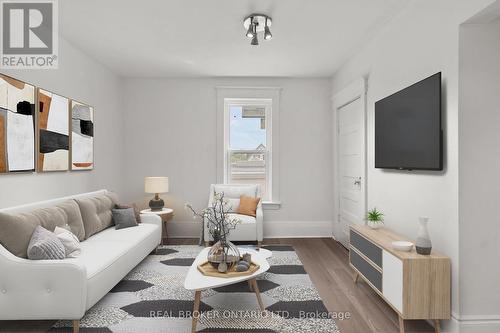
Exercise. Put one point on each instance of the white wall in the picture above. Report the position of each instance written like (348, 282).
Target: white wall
(83, 79)
(479, 195)
(420, 41)
(171, 131)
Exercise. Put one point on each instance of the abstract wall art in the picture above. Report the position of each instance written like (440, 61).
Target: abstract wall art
(82, 136)
(53, 131)
(17, 125)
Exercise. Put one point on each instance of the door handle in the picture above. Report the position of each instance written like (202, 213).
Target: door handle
(357, 181)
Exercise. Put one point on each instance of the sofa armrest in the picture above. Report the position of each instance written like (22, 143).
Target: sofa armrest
(259, 222)
(152, 219)
(41, 289)
(156, 220)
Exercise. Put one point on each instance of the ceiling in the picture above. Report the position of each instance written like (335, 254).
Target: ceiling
(206, 38)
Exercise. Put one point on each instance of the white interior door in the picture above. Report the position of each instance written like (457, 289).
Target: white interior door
(349, 108)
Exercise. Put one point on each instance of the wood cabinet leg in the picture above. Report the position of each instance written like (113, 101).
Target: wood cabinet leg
(76, 326)
(356, 276)
(259, 244)
(401, 325)
(250, 285)
(437, 326)
(196, 310)
(257, 293)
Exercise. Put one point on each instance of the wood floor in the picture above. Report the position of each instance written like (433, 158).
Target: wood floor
(326, 261)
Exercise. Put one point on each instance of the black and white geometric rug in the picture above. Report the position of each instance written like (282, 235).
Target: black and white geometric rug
(152, 299)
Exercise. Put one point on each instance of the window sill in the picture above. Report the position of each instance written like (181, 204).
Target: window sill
(271, 205)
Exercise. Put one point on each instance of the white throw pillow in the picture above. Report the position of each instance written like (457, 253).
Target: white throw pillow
(70, 242)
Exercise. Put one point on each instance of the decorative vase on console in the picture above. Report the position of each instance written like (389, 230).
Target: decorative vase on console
(423, 244)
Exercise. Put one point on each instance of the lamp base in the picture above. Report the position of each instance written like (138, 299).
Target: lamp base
(156, 204)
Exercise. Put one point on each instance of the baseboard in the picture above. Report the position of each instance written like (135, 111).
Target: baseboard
(472, 324)
(294, 229)
(184, 229)
(272, 229)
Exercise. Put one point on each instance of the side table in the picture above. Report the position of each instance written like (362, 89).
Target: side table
(166, 215)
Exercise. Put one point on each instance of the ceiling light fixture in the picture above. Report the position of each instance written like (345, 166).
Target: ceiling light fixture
(250, 33)
(267, 33)
(256, 23)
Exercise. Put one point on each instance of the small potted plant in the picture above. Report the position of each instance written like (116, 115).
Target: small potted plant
(375, 219)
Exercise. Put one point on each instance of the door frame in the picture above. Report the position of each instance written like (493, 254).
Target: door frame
(352, 92)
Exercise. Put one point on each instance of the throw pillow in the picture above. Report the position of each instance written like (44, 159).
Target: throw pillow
(136, 210)
(248, 205)
(45, 245)
(96, 213)
(70, 242)
(124, 218)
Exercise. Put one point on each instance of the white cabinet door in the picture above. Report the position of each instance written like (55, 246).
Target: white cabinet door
(392, 280)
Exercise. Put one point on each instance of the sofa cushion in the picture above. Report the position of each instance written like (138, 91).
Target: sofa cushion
(44, 245)
(73, 218)
(96, 213)
(103, 249)
(123, 218)
(244, 219)
(113, 196)
(17, 229)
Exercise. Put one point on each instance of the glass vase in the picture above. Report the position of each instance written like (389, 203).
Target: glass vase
(223, 255)
(423, 244)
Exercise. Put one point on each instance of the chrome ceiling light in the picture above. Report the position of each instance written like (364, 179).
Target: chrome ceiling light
(267, 33)
(250, 33)
(256, 23)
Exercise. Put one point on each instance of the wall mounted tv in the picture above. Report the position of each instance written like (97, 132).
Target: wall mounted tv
(408, 134)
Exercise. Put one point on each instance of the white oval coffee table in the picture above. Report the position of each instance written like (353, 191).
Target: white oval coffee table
(196, 281)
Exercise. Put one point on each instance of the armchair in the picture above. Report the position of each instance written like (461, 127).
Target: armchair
(250, 228)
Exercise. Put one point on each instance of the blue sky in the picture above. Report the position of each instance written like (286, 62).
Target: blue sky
(245, 133)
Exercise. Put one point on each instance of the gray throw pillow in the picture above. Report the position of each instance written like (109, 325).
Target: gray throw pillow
(124, 218)
(45, 245)
(136, 210)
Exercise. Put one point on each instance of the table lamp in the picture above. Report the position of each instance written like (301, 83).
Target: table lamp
(156, 185)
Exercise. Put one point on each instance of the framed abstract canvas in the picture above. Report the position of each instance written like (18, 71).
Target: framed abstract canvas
(17, 125)
(53, 132)
(82, 136)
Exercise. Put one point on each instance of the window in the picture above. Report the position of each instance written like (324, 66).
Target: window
(248, 143)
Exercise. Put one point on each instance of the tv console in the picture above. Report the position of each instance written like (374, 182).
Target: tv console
(415, 286)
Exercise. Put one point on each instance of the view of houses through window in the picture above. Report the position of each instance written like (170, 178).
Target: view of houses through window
(248, 149)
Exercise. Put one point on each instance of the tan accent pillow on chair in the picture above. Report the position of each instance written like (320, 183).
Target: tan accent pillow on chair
(248, 206)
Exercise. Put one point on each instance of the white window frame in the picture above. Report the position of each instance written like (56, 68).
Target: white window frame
(267, 104)
(241, 96)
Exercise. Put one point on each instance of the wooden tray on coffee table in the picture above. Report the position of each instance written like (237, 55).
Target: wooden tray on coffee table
(207, 269)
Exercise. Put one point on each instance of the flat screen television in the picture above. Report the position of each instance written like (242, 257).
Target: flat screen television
(408, 134)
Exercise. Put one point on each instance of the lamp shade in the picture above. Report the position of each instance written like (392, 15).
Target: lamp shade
(156, 184)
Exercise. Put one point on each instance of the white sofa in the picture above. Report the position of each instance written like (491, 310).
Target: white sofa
(250, 228)
(66, 289)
